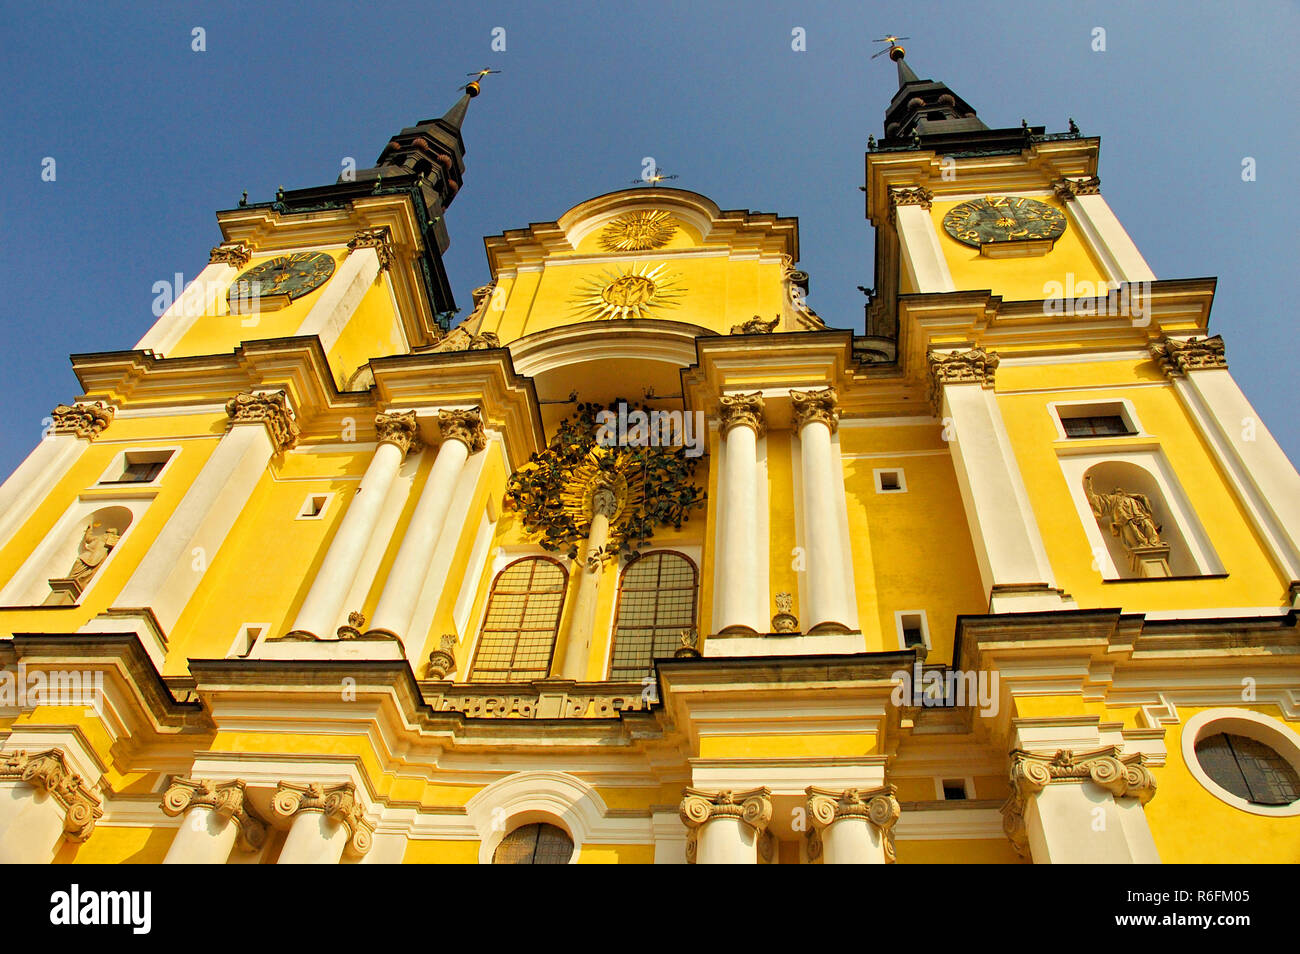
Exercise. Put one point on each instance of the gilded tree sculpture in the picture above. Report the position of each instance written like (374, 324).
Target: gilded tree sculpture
(636, 485)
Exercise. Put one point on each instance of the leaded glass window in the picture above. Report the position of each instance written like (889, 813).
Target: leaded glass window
(1249, 769)
(656, 602)
(519, 629)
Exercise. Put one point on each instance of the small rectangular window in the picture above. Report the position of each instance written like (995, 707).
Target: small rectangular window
(912, 629)
(954, 790)
(890, 480)
(245, 639)
(1103, 425)
(139, 467)
(314, 506)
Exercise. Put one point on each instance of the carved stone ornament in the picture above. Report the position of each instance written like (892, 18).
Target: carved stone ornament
(1068, 189)
(461, 339)
(1128, 516)
(756, 326)
(442, 661)
(976, 366)
(353, 628)
(379, 240)
(690, 644)
(236, 254)
(698, 807)
(742, 409)
(879, 806)
(48, 772)
(915, 196)
(465, 426)
(84, 420)
(1176, 358)
(225, 799)
(785, 621)
(269, 409)
(399, 428)
(1122, 776)
(338, 802)
(822, 406)
(802, 317)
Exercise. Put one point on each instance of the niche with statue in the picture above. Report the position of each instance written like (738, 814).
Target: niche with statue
(99, 535)
(1141, 534)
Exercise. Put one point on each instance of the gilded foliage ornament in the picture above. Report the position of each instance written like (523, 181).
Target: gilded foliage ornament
(639, 488)
(641, 291)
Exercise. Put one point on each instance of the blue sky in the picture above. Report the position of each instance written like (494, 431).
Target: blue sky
(150, 137)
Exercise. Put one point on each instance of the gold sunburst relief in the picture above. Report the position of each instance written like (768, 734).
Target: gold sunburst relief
(641, 291)
(638, 231)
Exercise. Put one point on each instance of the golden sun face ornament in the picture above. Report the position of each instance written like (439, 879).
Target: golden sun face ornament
(638, 231)
(641, 291)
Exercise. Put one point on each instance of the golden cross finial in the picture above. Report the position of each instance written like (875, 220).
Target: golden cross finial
(654, 178)
(472, 87)
(893, 45)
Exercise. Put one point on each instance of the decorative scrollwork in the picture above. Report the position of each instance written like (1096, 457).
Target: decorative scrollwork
(337, 802)
(1175, 358)
(84, 420)
(225, 799)
(821, 406)
(48, 772)
(879, 806)
(743, 410)
(271, 410)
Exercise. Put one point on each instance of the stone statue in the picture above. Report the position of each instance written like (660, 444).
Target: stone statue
(1130, 516)
(604, 501)
(95, 548)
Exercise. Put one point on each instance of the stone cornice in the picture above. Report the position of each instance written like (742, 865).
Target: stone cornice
(822, 406)
(48, 772)
(742, 410)
(879, 806)
(337, 802)
(225, 799)
(272, 410)
(84, 420)
(1031, 772)
(1176, 357)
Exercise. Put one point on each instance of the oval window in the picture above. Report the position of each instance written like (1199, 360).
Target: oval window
(1248, 769)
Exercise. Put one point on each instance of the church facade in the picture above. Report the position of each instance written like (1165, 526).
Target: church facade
(643, 561)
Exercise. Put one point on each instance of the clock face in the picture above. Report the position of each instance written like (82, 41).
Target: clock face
(1003, 219)
(293, 275)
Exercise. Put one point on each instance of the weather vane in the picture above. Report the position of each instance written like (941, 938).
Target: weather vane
(654, 179)
(472, 87)
(893, 45)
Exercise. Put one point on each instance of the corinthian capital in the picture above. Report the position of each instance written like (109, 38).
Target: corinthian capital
(915, 196)
(379, 240)
(976, 366)
(337, 802)
(464, 426)
(745, 410)
(235, 254)
(878, 806)
(753, 808)
(1176, 358)
(269, 409)
(84, 420)
(400, 429)
(1031, 772)
(226, 799)
(48, 772)
(1068, 189)
(822, 406)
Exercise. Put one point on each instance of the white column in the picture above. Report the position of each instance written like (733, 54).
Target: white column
(73, 428)
(853, 827)
(724, 828)
(738, 603)
(42, 802)
(918, 240)
(199, 298)
(462, 433)
(577, 647)
(368, 255)
(170, 572)
(1092, 215)
(325, 823)
(214, 820)
(1080, 809)
(829, 602)
(1264, 478)
(319, 616)
(1008, 546)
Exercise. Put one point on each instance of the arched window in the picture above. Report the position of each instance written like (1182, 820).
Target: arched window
(523, 615)
(537, 844)
(1248, 769)
(655, 603)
